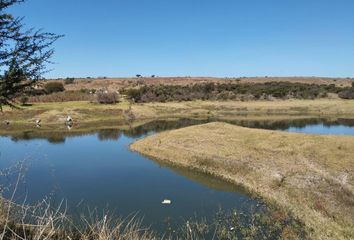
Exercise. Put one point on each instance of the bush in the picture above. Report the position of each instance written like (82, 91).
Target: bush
(69, 80)
(36, 92)
(66, 96)
(347, 94)
(228, 91)
(107, 97)
(24, 100)
(52, 87)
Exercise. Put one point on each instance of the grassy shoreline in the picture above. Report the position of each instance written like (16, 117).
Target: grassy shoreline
(301, 172)
(53, 114)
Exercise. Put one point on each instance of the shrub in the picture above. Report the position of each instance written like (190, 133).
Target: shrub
(232, 90)
(24, 100)
(52, 87)
(347, 94)
(69, 80)
(66, 96)
(36, 92)
(107, 97)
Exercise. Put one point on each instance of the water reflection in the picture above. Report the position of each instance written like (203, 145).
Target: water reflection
(109, 134)
(95, 167)
(204, 179)
(114, 133)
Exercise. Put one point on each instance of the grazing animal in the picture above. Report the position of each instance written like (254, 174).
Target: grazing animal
(38, 123)
(69, 119)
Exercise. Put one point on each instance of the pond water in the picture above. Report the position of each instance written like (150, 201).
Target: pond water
(97, 169)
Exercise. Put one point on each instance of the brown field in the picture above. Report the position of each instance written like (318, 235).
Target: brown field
(309, 175)
(117, 83)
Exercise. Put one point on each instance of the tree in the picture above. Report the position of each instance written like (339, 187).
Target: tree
(53, 87)
(69, 80)
(24, 55)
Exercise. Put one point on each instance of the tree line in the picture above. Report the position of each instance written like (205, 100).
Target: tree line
(232, 91)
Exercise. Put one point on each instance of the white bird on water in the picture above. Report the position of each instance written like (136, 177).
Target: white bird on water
(166, 202)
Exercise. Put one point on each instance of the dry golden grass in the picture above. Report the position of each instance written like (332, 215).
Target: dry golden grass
(117, 83)
(310, 175)
(316, 108)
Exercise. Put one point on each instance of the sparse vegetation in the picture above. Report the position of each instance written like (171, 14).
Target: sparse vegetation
(43, 222)
(67, 96)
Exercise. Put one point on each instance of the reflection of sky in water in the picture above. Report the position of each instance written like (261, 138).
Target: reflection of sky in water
(321, 129)
(105, 174)
(97, 169)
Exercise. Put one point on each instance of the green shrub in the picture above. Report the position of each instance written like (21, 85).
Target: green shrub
(52, 87)
(24, 100)
(69, 80)
(66, 96)
(228, 91)
(107, 97)
(347, 94)
(36, 92)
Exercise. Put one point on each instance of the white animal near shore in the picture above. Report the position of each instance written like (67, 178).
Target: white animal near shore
(166, 202)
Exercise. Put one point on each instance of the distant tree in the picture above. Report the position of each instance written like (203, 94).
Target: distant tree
(52, 87)
(153, 76)
(138, 76)
(107, 97)
(69, 80)
(23, 55)
(352, 84)
(24, 99)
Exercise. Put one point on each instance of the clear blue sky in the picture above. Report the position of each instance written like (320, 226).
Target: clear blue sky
(197, 37)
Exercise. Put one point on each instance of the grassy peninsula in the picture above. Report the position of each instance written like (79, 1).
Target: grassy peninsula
(310, 175)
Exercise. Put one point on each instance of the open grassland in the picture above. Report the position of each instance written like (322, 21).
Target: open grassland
(117, 83)
(84, 112)
(310, 175)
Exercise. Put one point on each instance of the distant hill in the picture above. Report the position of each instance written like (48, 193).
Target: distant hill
(116, 83)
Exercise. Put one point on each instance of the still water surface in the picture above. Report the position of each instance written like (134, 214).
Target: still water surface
(97, 169)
